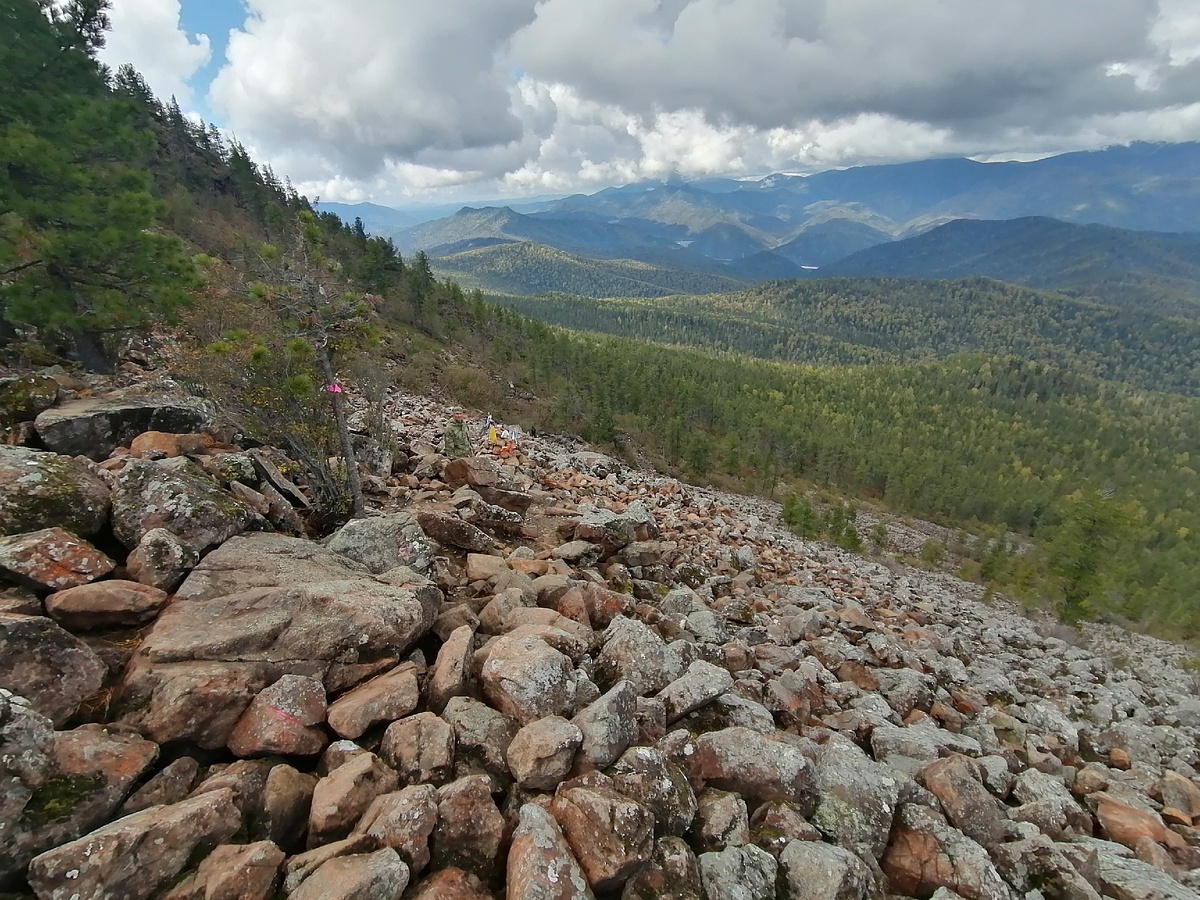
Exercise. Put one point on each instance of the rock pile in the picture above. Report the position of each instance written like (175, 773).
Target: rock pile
(545, 676)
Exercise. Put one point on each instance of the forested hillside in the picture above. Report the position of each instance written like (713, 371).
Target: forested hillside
(852, 321)
(528, 268)
(120, 217)
(1130, 269)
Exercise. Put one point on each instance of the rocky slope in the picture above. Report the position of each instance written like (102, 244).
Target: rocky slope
(542, 677)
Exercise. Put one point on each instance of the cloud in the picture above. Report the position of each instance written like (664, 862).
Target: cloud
(147, 34)
(398, 99)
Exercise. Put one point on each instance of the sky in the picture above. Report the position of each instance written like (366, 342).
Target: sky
(406, 101)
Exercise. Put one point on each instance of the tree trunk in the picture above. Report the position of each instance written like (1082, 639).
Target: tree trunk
(89, 347)
(339, 415)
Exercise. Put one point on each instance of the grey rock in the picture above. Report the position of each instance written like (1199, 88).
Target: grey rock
(739, 873)
(384, 542)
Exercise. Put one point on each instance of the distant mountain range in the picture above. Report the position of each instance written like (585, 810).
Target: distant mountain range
(1127, 220)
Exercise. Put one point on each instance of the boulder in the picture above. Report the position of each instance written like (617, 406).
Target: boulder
(526, 678)
(451, 531)
(481, 732)
(811, 869)
(741, 760)
(286, 800)
(645, 774)
(384, 542)
(925, 854)
(541, 865)
(95, 426)
(403, 820)
(23, 397)
(385, 698)
(259, 607)
(470, 828)
(106, 604)
(855, 797)
(701, 684)
(451, 673)
(138, 856)
(161, 560)
(171, 785)
(52, 560)
(381, 875)
(969, 806)
(283, 718)
(611, 835)
(50, 667)
(609, 725)
(673, 873)
(541, 753)
(46, 490)
(777, 823)
(634, 652)
(233, 872)
(54, 787)
(450, 884)
(420, 748)
(722, 820)
(739, 873)
(188, 504)
(341, 797)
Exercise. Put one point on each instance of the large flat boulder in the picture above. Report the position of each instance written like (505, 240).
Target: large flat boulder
(259, 607)
(95, 426)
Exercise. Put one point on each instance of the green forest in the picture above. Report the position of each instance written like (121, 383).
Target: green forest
(877, 320)
(984, 405)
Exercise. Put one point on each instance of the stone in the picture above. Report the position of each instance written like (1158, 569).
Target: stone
(541, 865)
(751, 764)
(450, 884)
(385, 698)
(580, 554)
(777, 823)
(381, 875)
(475, 471)
(188, 504)
(739, 873)
(451, 674)
(420, 748)
(58, 785)
(673, 873)
(299, 867)
(632, 651)
(95, 426)
(52, 560)
(403, 820)
(856, 798)
(611, 835)
(482, 567)
(171, 785)
(106, 862)
(161, 560)
(23, 397)
(283, 718)
(721, 821)
(812, 870)
(50, 667)
(259, 607)
(451, 531)
(341, 797)
(470, 828)
(541, 753)
(526, 678)
(287, 798)
(609, 725)
(105, 604)
(967, 803)
(482, 732)
(382, 543)
(47, 490)
(234, 872)
(702, 684)
(926, 854)
(646, 775)
(1126, 825)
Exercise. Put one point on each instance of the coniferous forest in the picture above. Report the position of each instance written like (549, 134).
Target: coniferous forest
(974, 403)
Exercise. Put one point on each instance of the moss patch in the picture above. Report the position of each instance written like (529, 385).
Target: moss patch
(59, 796)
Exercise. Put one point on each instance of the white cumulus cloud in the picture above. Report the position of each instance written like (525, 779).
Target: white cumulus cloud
(147, 34)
